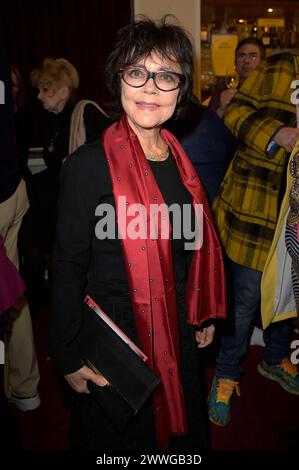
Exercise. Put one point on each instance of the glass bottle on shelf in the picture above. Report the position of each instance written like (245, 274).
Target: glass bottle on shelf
(204, 35)
(254, 31)
(207, 76)
(284, 40)
(223, 28)
(274, 38)
(231, 78)
(293, 38)
(266, 39)
(244, 31)
(232, 28)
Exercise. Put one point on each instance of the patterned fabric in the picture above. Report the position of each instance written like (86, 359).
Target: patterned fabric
(295, 282)
(247, 208)
(292, 243)
(219, 400)
(149, 268)
(285, 374)
(293, 249)
(293, 215)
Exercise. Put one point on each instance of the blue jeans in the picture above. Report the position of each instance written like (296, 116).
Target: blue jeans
(246, 296)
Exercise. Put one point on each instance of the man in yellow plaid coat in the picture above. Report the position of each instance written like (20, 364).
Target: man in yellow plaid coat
(263, 118)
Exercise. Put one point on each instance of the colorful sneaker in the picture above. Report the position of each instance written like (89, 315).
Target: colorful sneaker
(285, 374)
(219, 400)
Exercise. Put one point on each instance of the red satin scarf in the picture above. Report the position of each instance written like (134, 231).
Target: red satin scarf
(150, 270)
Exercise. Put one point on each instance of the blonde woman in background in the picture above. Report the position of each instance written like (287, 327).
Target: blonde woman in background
(70, 125)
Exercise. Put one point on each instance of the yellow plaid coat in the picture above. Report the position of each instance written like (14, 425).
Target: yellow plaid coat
(247, 208)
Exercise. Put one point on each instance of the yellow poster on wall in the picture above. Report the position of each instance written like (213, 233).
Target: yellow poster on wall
(223, 53)
(276, 22)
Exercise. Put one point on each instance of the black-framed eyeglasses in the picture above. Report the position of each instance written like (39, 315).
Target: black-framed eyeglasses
(251, 56)
(164, 80)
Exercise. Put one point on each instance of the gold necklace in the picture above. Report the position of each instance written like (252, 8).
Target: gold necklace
(159, 156)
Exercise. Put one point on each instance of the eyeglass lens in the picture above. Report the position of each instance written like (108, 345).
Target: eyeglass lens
(164, 80)
(250, 55)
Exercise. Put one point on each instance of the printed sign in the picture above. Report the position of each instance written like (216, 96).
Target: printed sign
(223, 54)
(275, 22)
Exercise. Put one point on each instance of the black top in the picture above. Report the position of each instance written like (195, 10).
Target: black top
(208, 143)
(214, 103)
(81, 261)
(22, 120)
(56, 146)
(43, 187)
(9, 172)
(174, 192)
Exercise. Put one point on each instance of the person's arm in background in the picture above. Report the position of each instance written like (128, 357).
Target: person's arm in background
(249, 115)
(220, 99)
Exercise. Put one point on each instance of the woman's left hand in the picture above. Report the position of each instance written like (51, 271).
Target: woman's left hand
(204, 337)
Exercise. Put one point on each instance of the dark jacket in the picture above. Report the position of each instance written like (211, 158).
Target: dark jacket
(43, 187)
(208, 143)
(9, 173)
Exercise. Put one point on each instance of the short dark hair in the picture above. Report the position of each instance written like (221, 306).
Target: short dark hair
(252, 40)
(138, 40)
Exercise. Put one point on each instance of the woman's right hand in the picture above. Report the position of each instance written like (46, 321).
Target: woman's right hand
(78, 380)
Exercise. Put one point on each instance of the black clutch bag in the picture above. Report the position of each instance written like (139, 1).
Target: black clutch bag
(108, 351)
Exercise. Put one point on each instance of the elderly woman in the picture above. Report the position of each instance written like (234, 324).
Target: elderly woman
(57, 82)
(139, 279)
